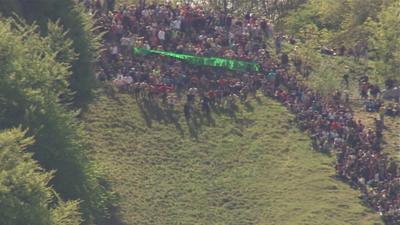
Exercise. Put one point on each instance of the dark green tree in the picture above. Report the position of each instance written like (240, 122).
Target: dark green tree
(25, 197)
(34, 75)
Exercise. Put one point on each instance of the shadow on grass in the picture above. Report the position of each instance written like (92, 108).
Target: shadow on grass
(197, 120)
(113, 207)
(83, 103)
(146, 116)
(153, 111)
(115, 217)
(248, 107)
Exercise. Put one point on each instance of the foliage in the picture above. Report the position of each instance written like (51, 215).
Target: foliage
(32, 80)
(78, 25)
(328, 81)
(375, 24)
(336, 23)
(334, 15)
(385, 39)
(25, 197)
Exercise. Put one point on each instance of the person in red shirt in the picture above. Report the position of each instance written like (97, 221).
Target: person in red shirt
(335, 125)
(170, 89)
(194, 81)
(162, 90)
(222, 83)
(212, 95)
(117, 16)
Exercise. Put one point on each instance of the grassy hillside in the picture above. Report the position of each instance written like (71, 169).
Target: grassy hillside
(255, 169)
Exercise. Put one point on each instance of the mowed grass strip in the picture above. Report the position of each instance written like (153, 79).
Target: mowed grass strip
(255, 169)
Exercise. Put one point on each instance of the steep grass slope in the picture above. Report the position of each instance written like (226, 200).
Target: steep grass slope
(254, 169)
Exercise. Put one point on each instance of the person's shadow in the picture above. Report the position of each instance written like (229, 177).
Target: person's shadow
(151, 110)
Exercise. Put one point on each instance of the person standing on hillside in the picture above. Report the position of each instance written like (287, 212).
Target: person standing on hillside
(382, 112)
(284, 60)
(297, 61)
(187, 111)
(278, 44)
(114, 53)
(161, 37)
(345, 80)
(205, 105)
(389, 84)
(364, 87)
(375, 91)
(125, 45)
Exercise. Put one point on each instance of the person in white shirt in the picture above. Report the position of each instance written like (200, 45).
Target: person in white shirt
(193, 91)
(131, 39)
(128, 79)
(145, 45)
(176, 24)
(114, 53)
(191, 94)
(124, 41)
(161, 36)
(114, 49)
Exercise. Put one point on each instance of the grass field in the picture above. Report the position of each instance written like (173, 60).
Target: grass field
(254, 169)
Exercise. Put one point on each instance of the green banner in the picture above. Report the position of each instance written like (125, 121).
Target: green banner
(205, 61)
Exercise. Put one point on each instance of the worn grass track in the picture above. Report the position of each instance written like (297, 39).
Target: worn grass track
(256, 169)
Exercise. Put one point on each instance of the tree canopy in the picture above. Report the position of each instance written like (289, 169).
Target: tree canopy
(34, 95)
(25, 197)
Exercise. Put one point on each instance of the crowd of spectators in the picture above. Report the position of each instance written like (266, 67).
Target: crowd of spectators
(191, 29)
(185, 29)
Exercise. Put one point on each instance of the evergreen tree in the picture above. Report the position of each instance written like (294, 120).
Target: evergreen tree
(34, 75)
(25, 197)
